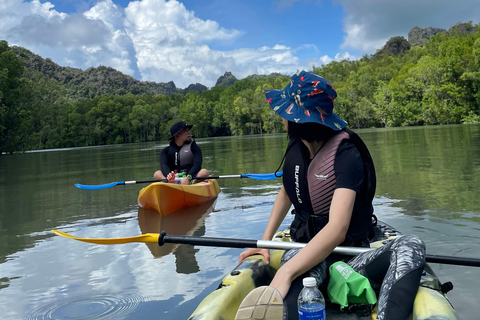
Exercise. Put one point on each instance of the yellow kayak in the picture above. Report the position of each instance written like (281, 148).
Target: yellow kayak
(166, 198)
(430, 302)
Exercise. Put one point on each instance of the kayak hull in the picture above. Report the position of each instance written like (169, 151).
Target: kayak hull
(430, 302)
(166, 198)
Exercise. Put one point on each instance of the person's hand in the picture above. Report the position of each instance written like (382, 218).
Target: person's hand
(171, 177)
(185, 181)
(252, 251)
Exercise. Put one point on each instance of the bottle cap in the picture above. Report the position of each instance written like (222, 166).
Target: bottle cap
(309, 282)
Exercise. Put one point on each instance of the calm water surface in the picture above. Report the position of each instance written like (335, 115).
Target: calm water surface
(428, 184)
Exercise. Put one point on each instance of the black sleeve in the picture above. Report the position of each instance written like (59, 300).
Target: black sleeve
(197, 160)
(164, 167)
(349, 167)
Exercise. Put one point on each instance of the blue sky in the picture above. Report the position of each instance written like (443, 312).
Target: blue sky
(197, 41)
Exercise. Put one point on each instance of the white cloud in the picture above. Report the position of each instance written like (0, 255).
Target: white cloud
(78, 40)
(119, 47)
(170, 41)
(67, 32)
(162, 41)
(158, 40)
(107, 12)
(358, 38)
(369, 24)
(344, 56)
(13, 11)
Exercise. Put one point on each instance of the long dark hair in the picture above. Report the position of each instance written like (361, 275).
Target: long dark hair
(309, 131)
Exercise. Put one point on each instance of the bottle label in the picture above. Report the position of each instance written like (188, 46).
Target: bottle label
(311, 311)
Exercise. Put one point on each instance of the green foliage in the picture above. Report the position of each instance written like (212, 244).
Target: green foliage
(17, 111)
(471, 118)
(43, 105)
(93, 82)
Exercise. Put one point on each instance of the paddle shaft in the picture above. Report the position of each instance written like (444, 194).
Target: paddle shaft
(203, 178)
(254, 176)
(144, 181)
(283, 245)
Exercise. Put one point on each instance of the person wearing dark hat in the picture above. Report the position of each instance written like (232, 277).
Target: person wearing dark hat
(182, 157)
(329, 178)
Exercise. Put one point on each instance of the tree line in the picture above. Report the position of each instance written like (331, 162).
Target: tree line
(437, 83)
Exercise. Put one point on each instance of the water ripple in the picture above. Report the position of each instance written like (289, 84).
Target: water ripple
(87, 307)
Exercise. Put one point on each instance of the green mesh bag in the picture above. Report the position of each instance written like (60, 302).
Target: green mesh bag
(346, 286)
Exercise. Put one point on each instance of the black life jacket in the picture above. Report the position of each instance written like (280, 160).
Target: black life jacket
(310, 188)
(181, 158)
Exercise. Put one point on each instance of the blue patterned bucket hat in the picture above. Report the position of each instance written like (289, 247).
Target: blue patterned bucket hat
(307, 98)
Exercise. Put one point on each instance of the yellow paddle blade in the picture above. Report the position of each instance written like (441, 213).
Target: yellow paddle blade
(146, 238)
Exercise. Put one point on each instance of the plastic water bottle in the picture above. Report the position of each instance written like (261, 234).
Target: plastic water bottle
(311, 304)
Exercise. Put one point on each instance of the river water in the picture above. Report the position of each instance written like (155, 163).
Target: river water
(428, 184)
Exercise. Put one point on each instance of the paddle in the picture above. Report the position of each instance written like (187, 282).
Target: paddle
(163, 238)
(255, 176)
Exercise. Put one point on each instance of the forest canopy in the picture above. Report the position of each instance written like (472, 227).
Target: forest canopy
(433, 80)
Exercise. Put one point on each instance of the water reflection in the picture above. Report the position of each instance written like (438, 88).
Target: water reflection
(431, 168)
(189, 221)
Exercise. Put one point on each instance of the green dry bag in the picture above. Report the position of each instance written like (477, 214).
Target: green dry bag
(346, 286)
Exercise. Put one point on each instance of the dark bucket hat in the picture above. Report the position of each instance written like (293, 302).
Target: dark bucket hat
(307, 98)
(177, 127)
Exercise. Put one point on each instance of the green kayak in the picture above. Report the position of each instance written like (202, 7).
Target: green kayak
(430, 301)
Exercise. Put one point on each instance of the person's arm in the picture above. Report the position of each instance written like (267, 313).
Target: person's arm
(197, 160)
(317, 249)
(164, 167)
(279, 210)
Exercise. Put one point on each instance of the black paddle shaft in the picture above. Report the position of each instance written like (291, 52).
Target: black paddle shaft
(246, 243)
(206, 241)
(458, 261)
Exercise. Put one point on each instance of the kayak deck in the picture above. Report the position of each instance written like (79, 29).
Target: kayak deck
(430, 302)
(166, 198)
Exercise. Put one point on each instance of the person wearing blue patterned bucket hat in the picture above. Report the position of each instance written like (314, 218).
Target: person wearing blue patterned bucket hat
(308, 97)
(329, 178)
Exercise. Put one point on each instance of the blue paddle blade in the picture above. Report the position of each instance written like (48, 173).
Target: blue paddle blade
(100, 186)
(263, 176)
